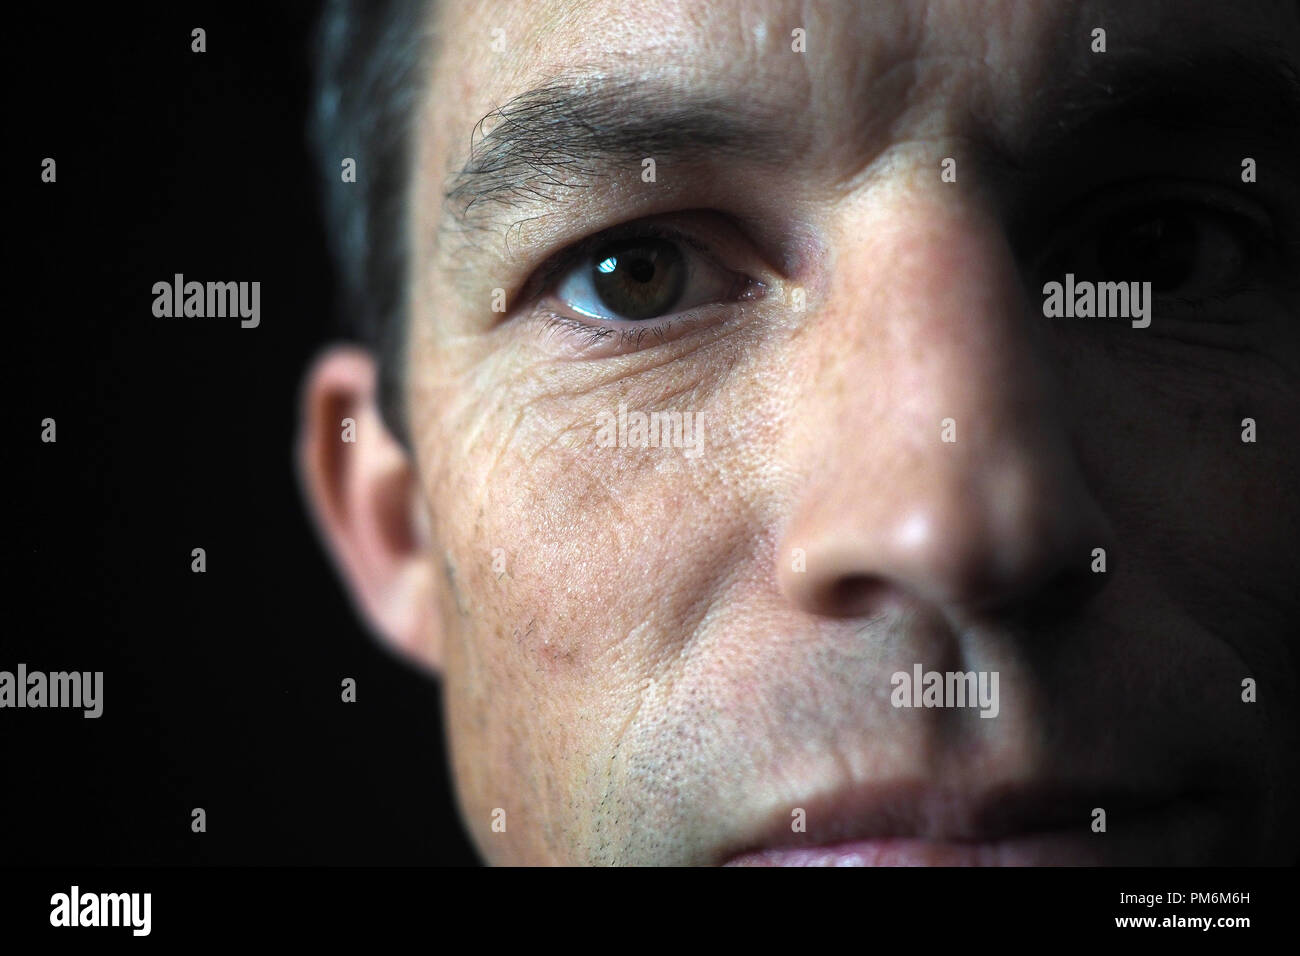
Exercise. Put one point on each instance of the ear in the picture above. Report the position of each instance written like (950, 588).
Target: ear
(364, 494)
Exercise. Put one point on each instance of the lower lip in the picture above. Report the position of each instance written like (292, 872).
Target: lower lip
(1029, 851)
(1180, 833)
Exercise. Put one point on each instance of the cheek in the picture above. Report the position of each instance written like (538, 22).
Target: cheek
(577, 575)
(564, 548)
(1161, 440)
(541, 660)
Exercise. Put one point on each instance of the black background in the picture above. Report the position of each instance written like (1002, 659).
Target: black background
(222, 689)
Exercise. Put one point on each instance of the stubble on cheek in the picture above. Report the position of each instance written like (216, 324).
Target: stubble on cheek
(541, 659)
(561, 668)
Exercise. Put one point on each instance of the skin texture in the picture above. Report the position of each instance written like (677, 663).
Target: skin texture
(642, 675)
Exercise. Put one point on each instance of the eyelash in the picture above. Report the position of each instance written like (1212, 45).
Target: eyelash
(587, 333)
(557, 264)
(1096, 210)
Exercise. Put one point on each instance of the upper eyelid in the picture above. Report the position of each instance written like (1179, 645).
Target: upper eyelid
(1097, 207)
(559, 263)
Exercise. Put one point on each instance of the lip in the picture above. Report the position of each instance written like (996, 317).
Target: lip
(1008, 825)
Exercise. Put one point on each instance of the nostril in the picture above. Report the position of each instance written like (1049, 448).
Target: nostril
(850, 595)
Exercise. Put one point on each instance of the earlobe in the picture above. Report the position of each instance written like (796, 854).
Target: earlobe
(363, 492)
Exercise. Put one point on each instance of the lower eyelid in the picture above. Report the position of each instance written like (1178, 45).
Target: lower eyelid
(584, 339)
(592, 338)
(743, 288)
(693, 270)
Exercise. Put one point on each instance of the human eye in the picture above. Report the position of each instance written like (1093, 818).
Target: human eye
(639, 284)
(1201, 249)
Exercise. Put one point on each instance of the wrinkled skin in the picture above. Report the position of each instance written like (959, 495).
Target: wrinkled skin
(643, 675)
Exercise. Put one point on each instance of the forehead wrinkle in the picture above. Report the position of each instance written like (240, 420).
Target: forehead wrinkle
(585, 129)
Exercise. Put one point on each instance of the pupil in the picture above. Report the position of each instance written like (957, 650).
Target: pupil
(641, 269)
(639, 278)
(1160, 248)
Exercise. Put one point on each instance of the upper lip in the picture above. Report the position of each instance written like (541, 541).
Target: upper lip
(928, 812)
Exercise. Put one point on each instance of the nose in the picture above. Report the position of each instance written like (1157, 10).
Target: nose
(939, 462)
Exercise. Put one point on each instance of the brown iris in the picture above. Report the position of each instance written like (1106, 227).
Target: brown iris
(638, 278)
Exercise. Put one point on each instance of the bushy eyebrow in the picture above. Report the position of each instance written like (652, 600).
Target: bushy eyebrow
(574, 131)
(567, 133)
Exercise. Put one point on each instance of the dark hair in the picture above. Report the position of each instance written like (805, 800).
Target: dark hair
(369, 59)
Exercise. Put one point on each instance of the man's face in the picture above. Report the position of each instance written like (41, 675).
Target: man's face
(683, 649)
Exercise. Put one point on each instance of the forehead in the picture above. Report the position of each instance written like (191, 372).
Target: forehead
(862, 62)
(742, 47)
(719, 87)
